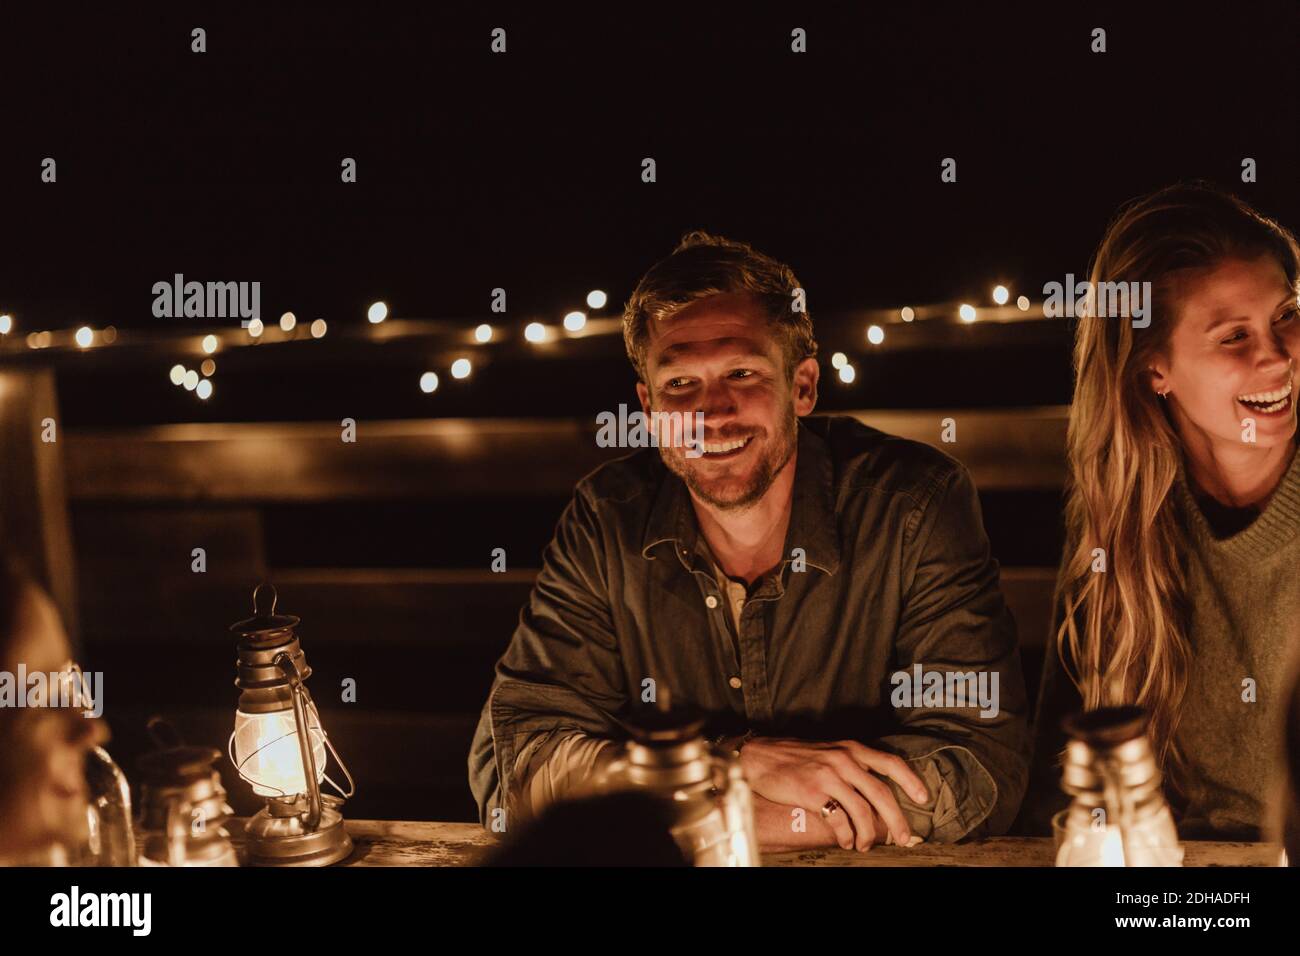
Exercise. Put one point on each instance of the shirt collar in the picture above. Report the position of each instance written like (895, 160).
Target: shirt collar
(813, 523)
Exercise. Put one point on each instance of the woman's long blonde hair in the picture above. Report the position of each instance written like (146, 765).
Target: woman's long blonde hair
(1124, 638)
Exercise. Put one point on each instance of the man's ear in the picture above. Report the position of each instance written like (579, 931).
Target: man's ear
(804, 386)
(643, 393)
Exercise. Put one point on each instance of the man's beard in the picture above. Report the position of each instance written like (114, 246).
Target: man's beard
(717, 492)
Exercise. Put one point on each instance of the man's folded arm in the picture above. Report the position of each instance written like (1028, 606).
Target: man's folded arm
(971, 747)
(559, 688)
(559, 766)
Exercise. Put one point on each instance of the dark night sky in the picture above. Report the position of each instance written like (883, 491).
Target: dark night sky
(523, 170)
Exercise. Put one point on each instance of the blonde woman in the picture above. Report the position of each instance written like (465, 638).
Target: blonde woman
(1180, 584)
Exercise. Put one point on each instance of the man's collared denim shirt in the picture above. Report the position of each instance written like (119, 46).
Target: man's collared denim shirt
(886, 566)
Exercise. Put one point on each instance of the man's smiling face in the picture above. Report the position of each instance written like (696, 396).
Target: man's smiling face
(721, 356)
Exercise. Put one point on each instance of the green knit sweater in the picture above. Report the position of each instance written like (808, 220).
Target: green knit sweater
(1243, 601)
(1244, 630)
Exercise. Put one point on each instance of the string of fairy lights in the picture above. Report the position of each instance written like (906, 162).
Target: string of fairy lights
(199, 379)
(965, 313)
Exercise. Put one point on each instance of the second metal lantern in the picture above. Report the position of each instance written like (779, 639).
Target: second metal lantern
(278, 745)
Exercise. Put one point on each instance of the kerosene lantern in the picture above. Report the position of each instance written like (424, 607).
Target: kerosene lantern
(278, 746)
(702, 786)
(1119, 816)
(183, 809)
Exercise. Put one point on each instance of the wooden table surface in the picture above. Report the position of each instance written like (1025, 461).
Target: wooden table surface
(402, 843)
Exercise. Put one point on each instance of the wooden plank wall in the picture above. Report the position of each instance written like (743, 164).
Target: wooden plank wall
(419, 641)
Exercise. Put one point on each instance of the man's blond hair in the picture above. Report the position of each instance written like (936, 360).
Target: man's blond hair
(705, 265)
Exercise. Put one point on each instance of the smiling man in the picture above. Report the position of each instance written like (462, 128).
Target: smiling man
(773, 583)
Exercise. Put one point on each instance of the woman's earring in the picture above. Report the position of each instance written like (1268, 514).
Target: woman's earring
(1163, 394)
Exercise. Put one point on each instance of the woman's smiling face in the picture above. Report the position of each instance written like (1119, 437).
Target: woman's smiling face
(1232, 356)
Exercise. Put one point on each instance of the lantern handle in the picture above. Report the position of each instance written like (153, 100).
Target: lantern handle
(265, 591)
(352, 786)
(302, 719)
(163, 734)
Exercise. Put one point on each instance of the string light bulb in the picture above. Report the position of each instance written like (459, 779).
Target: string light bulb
(318, 329)
(574, 321)
(596, 299)
(1022, 303)
(429, 382)
(377, 312)
(1000, 294)
(967, 312)
(535, 332)
(875, 334)
(288, 321)
(177, 374)
(191, 381)
(204, 389)
(460, 368)
(847, 374)
(839, 360)
(908, 313)
(6, 324)
(483, 333)
(85, 336)
(209, 344)
(255, 328)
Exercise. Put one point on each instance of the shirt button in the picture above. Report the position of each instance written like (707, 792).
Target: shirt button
(735, 682)
(711, 602)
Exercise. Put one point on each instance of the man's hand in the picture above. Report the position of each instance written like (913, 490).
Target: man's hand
(801, 773)
(775, 827)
